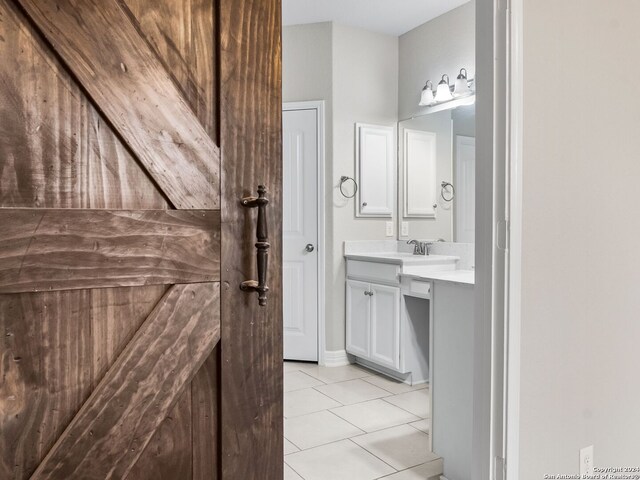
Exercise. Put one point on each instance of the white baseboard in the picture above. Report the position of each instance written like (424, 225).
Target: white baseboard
(336, 358)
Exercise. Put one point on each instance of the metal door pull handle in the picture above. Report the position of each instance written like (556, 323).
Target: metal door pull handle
(262, 246)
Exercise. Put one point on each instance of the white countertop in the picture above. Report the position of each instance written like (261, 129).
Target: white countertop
(466, 277)
(399, 258)
(424, 267)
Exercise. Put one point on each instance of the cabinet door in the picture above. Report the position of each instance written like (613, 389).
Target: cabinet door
(375, 170)
(358, 318)
(385, 326)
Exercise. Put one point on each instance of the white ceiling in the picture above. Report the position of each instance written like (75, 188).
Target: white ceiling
(393, 17)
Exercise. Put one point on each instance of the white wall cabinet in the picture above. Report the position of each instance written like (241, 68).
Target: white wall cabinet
(373, 323)
(375, 170)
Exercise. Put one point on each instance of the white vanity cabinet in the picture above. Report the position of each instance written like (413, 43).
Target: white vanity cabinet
(373, 323)
(358, 318)
(374, 314)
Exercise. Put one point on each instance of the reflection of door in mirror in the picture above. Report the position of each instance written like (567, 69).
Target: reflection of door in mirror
(465, 201)
(433, 149)
(425, 158)
(464, 166)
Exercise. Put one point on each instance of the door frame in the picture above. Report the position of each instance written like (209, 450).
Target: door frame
(319, 107)
(493, 255)
(514, 127)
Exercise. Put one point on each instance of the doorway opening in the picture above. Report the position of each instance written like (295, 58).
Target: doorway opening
(303, 231)
(409, 284)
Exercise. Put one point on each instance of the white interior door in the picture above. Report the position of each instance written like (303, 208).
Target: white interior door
(300, 231)
(465, 189)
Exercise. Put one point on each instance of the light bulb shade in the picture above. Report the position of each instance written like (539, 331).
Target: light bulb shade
(426, 98)
(462, 84)
(443, 93)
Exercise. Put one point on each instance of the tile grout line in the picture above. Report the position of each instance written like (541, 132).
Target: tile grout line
(299, 449)
(374, 455)
(381, 430)
(419, 429)
(421, 418)
(329, 397)
(294, 470)
(332, 441)
(345, 420)
(415, 466)
(424, 386)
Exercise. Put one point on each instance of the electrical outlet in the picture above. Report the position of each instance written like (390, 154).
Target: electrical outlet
(586, 461)
(405, 229)
(389, 229)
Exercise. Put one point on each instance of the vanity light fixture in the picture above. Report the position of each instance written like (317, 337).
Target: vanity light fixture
(427, 98)
(462, 84)
(443, 93)
(447, 96)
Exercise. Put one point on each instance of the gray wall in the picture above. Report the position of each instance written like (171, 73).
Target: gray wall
(355, 72)
(365, 86)
(307, 74)
(581, 261)
(442, 45)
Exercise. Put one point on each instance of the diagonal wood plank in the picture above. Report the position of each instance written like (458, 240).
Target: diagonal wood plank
(101, 45)
(109, 433)
(57, 249)
(55, 149)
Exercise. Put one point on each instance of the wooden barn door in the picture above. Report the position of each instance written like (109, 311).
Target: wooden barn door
(130, 132)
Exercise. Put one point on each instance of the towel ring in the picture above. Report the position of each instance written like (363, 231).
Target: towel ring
(344, 179)
(443, 190)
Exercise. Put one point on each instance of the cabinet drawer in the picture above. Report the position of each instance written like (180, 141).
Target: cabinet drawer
(372, 271)
(416, 288)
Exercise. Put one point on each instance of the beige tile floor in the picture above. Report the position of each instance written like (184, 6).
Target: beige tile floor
(351, 423)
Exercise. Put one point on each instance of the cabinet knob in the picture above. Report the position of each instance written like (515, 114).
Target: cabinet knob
(368, 293)
(364, 204)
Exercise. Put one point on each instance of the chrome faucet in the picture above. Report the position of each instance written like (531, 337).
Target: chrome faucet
(420, 248)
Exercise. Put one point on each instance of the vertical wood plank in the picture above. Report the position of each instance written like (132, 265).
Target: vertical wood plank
(205, 408)
(111, 430)
(56, 346)
(46, 348)
(251, 119)
(115, 315)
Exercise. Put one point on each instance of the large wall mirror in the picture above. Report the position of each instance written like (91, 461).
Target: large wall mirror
(436, 173)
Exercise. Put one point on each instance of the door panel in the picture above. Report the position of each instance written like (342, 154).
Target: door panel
(74, 159)
(130, 85)
(358, 319)
(465, 189)
(108, 434)
(109, 141)
(251, 338)
(300, 228)
(385, 325)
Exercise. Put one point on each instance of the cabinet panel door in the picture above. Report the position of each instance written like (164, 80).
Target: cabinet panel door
(358, 318)
(385, 325)
(376, 166)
